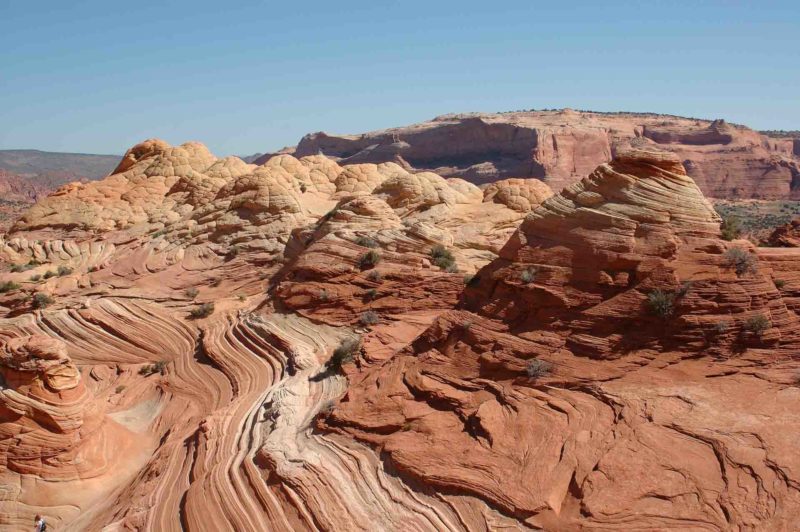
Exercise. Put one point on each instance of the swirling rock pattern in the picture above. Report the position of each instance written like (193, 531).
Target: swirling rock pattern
(130, 402)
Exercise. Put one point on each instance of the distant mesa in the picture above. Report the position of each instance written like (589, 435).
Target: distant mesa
(561, 146)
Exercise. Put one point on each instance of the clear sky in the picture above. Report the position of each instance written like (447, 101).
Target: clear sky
(246, 76)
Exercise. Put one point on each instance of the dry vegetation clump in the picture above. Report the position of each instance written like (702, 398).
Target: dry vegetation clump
(536, 368)
(741, 261)
(203, 311)
(344, 353)
(370, 259)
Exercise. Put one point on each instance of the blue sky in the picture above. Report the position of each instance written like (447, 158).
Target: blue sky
(92, 76)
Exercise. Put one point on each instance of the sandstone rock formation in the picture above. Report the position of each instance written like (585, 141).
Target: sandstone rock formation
(197, 343)
(787, 235)
(560, 147)
(589, 410)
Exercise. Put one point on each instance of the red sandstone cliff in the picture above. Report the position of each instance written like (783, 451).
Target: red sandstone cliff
(561, 147)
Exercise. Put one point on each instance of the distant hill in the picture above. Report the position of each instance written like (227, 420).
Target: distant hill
(250, 158)
(51, 169)
(28, 175)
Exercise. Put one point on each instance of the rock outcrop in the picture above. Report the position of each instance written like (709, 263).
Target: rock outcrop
(197, 343)
(560, 147)
(590, 404)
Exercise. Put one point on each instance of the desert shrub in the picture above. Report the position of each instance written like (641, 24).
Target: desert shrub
(757, 324)
(374, 276)
(203, 311)
(779, 283)
(731, 228)
(369, 259)
(367, 242)
(323, 295)
(344, 353)
(721, 327)
(442, 257)
(8, 286)
(686, 286)
(41, 300)
(661, 303)
(232, 252)
(371, 294)
(369, 318)
(536, 368)
(150, 369)
(192, 292)
(119, 389)
(15, 268)
(48, 274)
(242, 297)
(740, 260)
(303, 188)
(64, 270)
(160, 232)
(528, 275)
(35, 277)
(451, 268)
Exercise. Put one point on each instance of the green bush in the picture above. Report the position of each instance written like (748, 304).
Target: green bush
(8, 286)
(48, 274)
(369, 259)
(371, 294)
(374, 276)
(779, 283)
(41, 300)
(369, 318)
(367, 242)
(64, 270)
(757, 324)
(528, 275)
(740, 260)
(192, 292)
(35, 277)
(536, 368)
(232, 253)
(730, 228)
(344, 353)
(661, 303)
(443, 258)
(203, 311)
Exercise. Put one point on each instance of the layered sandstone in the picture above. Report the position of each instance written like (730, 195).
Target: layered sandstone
(133, 403)
(639, 423)
(560, 147)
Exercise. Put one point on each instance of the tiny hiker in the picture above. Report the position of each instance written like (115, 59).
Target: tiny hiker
(38, 524)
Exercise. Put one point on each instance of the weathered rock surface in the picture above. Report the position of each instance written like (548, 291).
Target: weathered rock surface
(643, 421)
(561, 147)
(787, 235)
(182, 375)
